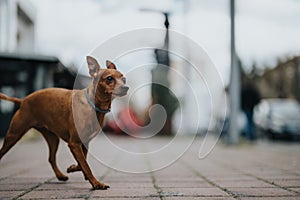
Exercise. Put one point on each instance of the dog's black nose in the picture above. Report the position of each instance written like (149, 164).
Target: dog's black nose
(125, 89)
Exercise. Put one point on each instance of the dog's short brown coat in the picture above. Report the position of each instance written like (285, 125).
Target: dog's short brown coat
(67, 114)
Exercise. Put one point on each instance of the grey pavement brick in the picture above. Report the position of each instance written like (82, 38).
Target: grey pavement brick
(128, 198)
(27, 180)
(184, 184)
(125, 192)
(128, 178)
(204, 192)
(65, 186)
(270, 198)
(259, 171)
(56, 198)
(10, 194)
(281, 176)
(56, 194)
(231, 178)
(16, 186)
(287, 183)
(176, 179)
(244, 183)
(130, 184)
(296, 189)
(260, 192)
(199, 198)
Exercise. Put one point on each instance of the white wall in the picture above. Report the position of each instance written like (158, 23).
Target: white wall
(17, 26)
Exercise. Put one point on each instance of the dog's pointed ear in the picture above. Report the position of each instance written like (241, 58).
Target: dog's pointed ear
(93, 66)
(110, 65)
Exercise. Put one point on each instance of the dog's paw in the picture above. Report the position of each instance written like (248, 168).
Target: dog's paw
(100, 186)
(73, 168)
(62, 178)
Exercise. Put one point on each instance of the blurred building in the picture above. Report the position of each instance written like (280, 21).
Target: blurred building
(21, 74)
(17, 26)
(281, 81)
(22, 71)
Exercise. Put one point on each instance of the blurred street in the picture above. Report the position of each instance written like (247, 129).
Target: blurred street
(191, 67)
(264, 170)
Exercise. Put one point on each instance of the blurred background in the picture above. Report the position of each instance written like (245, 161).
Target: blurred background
(254, 46)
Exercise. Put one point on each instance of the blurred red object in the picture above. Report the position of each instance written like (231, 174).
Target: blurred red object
(127, 123)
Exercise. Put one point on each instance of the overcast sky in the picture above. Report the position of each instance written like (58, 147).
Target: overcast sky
(266, 30)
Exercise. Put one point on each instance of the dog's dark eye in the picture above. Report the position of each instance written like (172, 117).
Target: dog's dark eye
(109, 79)
(124, 80)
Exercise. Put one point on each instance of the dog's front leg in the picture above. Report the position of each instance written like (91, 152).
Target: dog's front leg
(76, 149)
(76, 168)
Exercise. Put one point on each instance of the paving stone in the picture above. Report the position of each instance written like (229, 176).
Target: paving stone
(260, 192)
(236, 169)
(65, 186)
(287, 183)
(128, 198)
(295, 189)
(128, 178)
(129, 185)
(177, 179)
(200, 198)
(198, 192)
(125, 192)
(231, 178)
(26, 180)
(10, 194)
(60, 198)
(279, 176)
(245, 183)
(270, 198)
(184, 184)
(56, 194)
(16, 186)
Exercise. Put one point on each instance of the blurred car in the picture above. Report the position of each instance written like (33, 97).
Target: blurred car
(278, 117)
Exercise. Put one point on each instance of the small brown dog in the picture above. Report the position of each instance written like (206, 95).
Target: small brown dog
(76, 116)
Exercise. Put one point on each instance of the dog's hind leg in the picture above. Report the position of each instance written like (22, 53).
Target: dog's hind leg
(18, 127)
(53, 142)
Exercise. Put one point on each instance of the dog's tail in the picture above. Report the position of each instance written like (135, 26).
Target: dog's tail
(13, 99)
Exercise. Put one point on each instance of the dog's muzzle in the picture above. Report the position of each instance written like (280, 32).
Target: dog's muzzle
(122, 91)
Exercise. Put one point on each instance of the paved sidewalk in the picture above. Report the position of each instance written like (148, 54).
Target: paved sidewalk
(248, 172)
